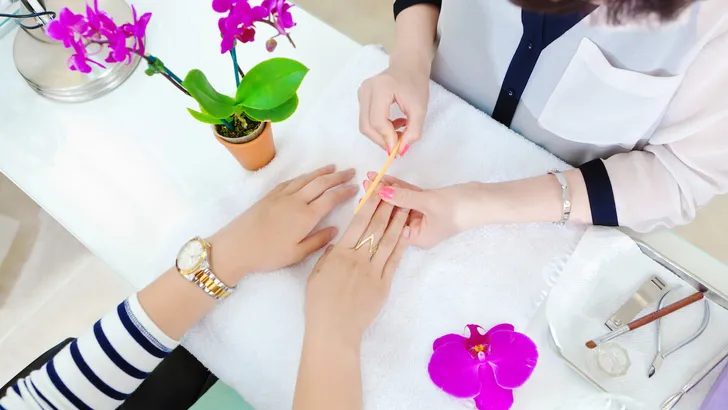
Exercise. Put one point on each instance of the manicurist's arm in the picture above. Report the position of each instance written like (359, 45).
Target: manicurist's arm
(100, 369)
(406, 81)
(345, 293)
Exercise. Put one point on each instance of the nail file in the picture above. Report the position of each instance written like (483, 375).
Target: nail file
(381, 173)
(650, 291)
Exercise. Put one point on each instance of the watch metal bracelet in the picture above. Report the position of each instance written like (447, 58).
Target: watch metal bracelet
(565, 195)
(213, 286)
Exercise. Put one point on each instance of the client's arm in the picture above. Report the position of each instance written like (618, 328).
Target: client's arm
(102, 368)
(345, 293)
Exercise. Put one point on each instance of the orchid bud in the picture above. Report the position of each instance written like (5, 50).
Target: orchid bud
(271, 44)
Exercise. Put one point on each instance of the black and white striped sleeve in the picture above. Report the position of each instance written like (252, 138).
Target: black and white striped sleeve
(400, 5)
(100, 369)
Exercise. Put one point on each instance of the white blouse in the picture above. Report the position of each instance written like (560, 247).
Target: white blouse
(650, 99)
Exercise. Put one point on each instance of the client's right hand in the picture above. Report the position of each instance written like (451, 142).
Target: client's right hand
(349, 286)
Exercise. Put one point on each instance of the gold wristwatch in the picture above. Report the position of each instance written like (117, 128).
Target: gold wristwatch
(193, 263)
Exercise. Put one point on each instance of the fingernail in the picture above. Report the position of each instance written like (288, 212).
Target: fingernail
(386, 193)
(371, 175)
(404, 150)
(389, 150)
(364, 183)
(360, 199)
(406, 232)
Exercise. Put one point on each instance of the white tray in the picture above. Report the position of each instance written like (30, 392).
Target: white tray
(604, 271)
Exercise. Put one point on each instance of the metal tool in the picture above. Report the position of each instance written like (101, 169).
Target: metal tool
(649, 292)
(661, 355)
(697, 378)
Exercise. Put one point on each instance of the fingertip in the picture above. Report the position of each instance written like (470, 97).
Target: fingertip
(333, 231)
(406, 232)
(371, 175)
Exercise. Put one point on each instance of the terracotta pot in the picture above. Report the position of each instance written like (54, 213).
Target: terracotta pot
(254, 151)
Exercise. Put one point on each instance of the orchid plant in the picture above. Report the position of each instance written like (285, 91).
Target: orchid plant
(266, 93)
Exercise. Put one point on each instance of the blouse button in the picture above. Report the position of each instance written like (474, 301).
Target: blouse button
(510, 92)
(530, 45)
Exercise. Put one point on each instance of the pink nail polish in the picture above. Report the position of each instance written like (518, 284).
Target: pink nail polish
(404, 150)
(360, 200)
(364, 183)
(389, 150)
(386, 193)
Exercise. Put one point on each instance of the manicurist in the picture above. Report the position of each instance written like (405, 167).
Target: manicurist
(632, 93)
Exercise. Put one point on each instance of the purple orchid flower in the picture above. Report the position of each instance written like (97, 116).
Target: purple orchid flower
(137, 29)
(239, 24)
(222, 6)
(79, 60)
(484, 366)
(283, 17)
(76, 31)
(99, 23)
(67, 27)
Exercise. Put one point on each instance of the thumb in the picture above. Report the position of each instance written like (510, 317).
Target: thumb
(413, 132)
(405, 198)
(316, 241)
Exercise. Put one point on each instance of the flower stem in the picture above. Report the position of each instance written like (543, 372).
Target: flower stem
(288, 36)
(227, 124)
(175, 83)
(168, 74)
(234, 56)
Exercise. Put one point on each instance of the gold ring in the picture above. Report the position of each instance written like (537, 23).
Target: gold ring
(372, 246)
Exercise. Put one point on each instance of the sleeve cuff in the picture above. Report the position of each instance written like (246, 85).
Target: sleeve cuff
(400, 5)
(601, 195)
(147, 326)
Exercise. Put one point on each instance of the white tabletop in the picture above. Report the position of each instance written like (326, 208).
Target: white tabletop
(121, 173)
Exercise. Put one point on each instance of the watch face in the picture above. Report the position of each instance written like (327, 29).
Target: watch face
(191, 255)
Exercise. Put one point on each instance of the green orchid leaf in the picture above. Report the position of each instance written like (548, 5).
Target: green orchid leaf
(276, 114)
(270, 84)
(212, 102)
(202, 117)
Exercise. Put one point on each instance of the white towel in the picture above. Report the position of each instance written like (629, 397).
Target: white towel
(496, 274)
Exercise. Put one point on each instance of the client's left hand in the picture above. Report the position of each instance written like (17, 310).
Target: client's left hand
(351, 281)
(277, 230)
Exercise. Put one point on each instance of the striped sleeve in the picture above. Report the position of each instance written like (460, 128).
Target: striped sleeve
(401, 5)
(100, 369)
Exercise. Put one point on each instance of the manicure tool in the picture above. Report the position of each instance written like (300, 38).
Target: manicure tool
(649, 292)
(381, 174)
(636, 324)
(697, 378)
(660, 356)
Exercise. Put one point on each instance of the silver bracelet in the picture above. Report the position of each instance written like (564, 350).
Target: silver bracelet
(565, 195)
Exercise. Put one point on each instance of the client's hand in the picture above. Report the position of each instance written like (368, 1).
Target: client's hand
(351, 281)
(276, 231)
(437, 214)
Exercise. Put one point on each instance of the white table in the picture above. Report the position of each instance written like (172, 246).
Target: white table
(122, 172)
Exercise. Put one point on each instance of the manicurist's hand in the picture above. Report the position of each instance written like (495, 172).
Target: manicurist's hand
(408, 86)
(278, 230)
(345, 293)
(437, 214)
(405, 82)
